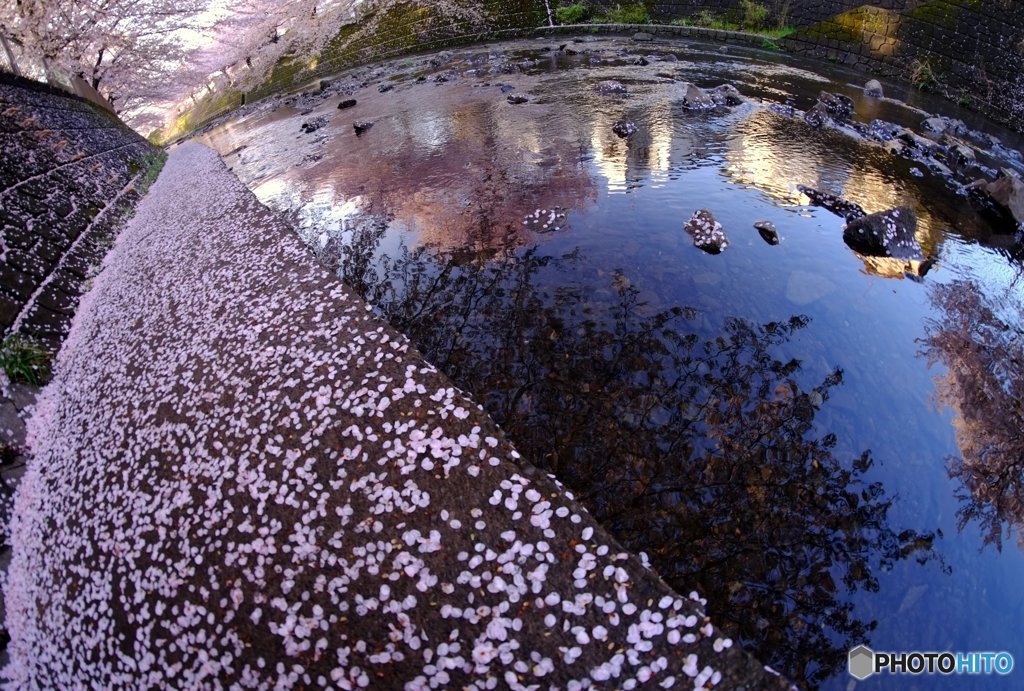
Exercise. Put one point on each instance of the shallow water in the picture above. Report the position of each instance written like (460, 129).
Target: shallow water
(778, 427)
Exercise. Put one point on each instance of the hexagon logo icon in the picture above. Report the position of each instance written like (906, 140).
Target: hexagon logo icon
(862, 662)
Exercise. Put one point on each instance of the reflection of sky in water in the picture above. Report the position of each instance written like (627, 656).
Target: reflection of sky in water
(455, 166)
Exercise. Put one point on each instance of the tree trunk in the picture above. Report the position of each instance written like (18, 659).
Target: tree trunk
(10, 56)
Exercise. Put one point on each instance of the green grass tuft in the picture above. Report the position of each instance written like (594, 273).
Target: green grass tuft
(922, 75)
(625, 14)
(24, 359)
(754, 15)
(573, 14)
(153, 163)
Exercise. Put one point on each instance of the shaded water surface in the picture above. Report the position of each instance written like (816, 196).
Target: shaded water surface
(827, 446)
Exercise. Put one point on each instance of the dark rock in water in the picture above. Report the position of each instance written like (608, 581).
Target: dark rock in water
(441, 58)
(570, 51)
(882, 131)
(768, 232)
(939, 168)
(348, 103)
(1003, 199)
(874, 89)
(384, 88)
(671, 57)
(611, 87)
(641, 61)
(958, 154)
(506, 88)
(442, 78)
(726, 95)
(422, 78)
(817, 116)
(915, 141)
(889, 233)
(707, 232)
(314, 124)
(837, 205)
(516, 99)
(643, 36)
(839, 107)
(361, 126)
(528, 64)
(624, 128)
(940, 124)
(695, 98)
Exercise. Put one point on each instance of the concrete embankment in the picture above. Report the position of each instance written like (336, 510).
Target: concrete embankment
(241, 476)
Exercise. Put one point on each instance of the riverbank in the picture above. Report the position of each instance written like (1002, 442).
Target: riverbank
(241, 476)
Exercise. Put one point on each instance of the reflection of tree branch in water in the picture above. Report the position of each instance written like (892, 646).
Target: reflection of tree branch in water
(983, 353)
(699, 451)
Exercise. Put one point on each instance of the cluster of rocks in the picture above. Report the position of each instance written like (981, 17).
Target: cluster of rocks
(829, 108)
(891, 233)
(708, 234)
(692, 96)
(1002, 200)
(310, 126)
(696, 98)
(973, 164)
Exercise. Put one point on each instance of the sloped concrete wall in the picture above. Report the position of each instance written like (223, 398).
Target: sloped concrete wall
(66, 172)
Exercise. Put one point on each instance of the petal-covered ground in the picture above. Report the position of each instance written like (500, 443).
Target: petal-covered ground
(241, 477)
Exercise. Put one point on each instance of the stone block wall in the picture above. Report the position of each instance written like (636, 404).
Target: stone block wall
(781, 12)
(65, 179)
(970, 51)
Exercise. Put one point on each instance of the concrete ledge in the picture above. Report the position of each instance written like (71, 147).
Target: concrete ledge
(242, 477)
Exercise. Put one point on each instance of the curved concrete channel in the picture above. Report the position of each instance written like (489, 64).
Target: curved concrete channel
(241, 477)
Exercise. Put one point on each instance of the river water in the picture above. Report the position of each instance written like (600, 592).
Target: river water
(826, 445)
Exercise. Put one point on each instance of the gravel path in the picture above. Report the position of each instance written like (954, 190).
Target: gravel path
(242, 477)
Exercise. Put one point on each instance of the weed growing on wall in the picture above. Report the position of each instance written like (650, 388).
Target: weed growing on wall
(573, 14)
(922, 75)
(709, 20)
(754, 15)
(625, 14)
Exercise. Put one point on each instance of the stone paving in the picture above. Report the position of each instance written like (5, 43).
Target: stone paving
(66, 178)
(242, 477)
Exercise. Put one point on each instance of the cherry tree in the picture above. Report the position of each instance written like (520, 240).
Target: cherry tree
(120, 47)
(147, 56)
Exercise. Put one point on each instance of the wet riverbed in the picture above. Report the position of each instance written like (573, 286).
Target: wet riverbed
(826, 445)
